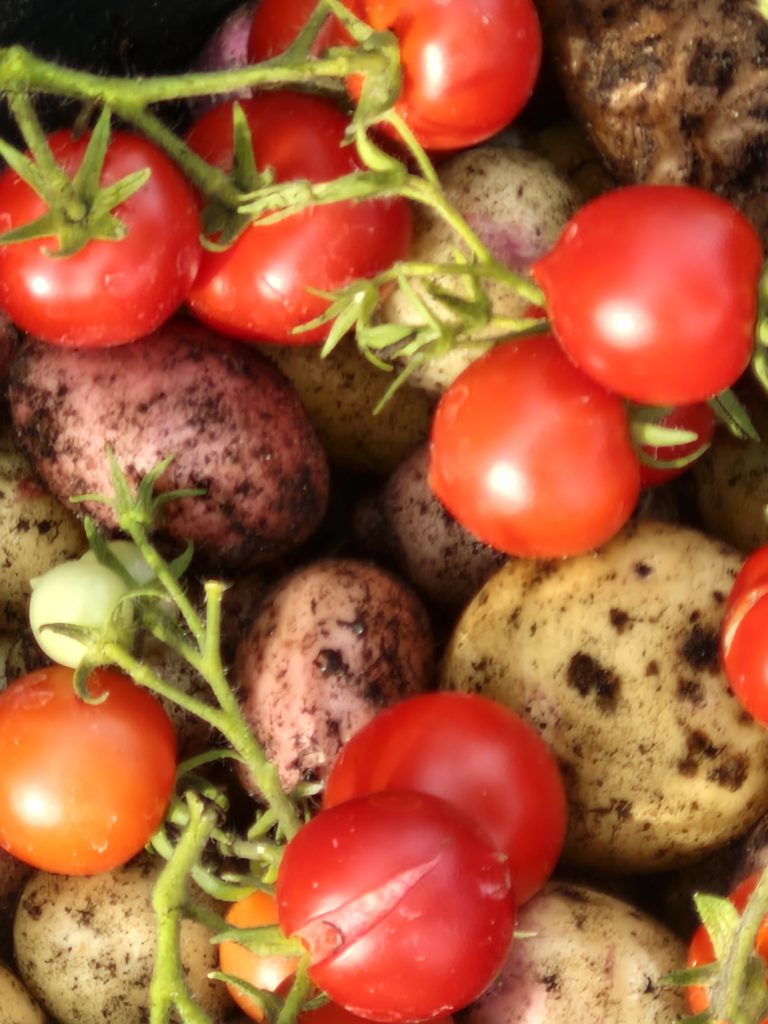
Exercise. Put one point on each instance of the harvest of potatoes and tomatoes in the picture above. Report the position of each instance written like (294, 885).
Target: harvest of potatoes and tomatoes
(384, 504)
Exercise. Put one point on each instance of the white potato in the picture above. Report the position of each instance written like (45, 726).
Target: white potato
(340, 393)
(36, 532)
(84, 947)
(590, 957)
(16, 1004)
(518, 204)
(613, 656)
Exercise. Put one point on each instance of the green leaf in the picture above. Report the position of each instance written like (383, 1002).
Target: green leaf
(721, 919)
(86, 180)
(730, 411)
(268, 1002)
(690, 975)
(26, 169)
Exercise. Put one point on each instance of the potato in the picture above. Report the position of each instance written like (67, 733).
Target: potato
(436, 554)
(613, 656)
(232, 423)
(16, 1004)
(85, 947)
(36, 532)
(332, 643)
(590, 957)
(670, 92)
(340, 393)
(518, 204)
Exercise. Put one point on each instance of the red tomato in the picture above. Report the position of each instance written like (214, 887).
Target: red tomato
(469, 66)
(698, 418)
(332, 1013)
(476, 754)
(83, 787)
(404, 904)
(259, 288)
(701, 951)
(269, 973)
(110, 292)
(744, 651)
(652, 291)
(531, 455)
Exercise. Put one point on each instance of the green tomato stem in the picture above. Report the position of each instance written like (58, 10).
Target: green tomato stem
(168, 988)
(731, 999)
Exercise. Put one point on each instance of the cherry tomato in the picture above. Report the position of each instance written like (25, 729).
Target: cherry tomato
(260, 287)
(277, 23)
(743, 646)
(404, 904)
(531, 455)
(701, 951)
(83, 786)
(468, 66)
(476, 754)
(652, 291)
(110, 292)
(270, 973)
(698, 418)
(332, 1013)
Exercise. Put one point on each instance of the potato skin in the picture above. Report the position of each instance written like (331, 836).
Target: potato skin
(233, 424)
(16, 1004)
(332, 643)
(85, 947)
(670, 92)
(614, 658)
(590, 957)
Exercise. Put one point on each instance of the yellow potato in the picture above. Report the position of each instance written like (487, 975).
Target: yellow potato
(613, 656)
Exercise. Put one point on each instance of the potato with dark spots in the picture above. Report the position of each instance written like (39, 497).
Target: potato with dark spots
(405, 522)
(671, 93)
(591, 957)
(613, 656)
(231, 421)
(85, 946)
(332, 644)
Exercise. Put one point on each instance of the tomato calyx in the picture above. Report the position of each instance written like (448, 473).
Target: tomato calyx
(80, 210)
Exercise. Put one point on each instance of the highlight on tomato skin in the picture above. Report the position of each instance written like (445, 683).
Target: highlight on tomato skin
(404, 904)
(476, 754)
(83, 786)
(531, 455)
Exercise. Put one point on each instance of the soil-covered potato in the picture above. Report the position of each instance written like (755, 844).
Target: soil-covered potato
(590, 957)
(340, 392)
(232, 424)
(16, 1004)
(37, 531)
(613, 656)
(670, 92)
(85, 947)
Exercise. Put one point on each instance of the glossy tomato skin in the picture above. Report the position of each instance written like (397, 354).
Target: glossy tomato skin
(83, 786)
(652, 291)
(108, 293)
(269, 973)
(744, 633)
(701, 950)
(698, 418)
(405, 905)
(277, 23)
(259, 288)
(531, 455)
(469, 66)
(476, 754)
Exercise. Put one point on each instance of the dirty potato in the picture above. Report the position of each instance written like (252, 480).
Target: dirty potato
(613, 656)
(16, 1004)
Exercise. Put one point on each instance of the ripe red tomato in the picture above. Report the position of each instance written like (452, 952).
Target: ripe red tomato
(652, 291)
(404, 904)
(83, 786)
(468, 66)
(269, 973)
(110, 292)
(531, 455)
(701, 951)
(743, 646)
(698, 418)
(259, 288)
(476, 754)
